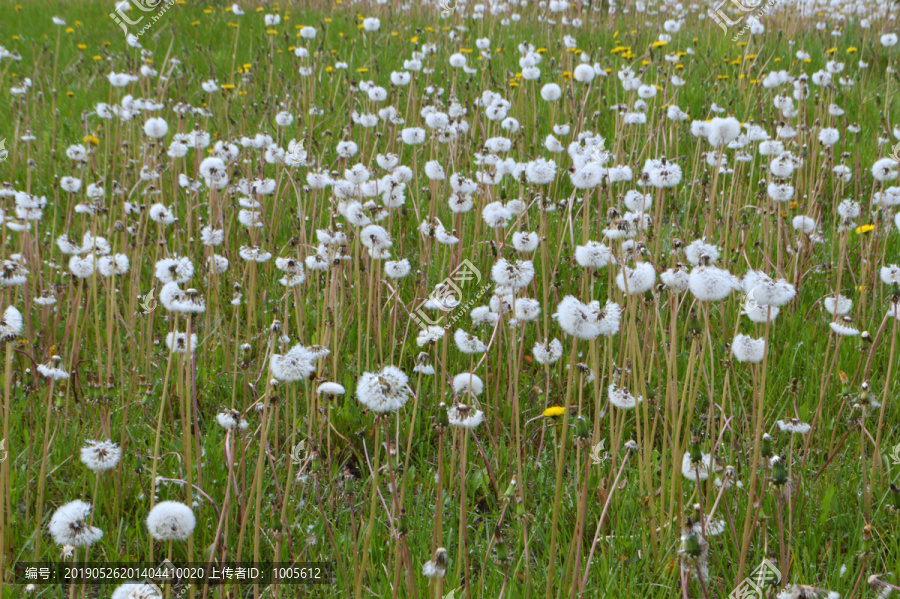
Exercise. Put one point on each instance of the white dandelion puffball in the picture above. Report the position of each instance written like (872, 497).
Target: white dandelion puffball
(711, 284)
(156, 128)
(622, 398)
(547, 353)
(171, 521)
(384, 391)
(467, 383)
(11, 324)
(638, 280)
(890, 275)
(551, 92)
(723, 131)
(296, 365)
(69, 525)
(747, 349)
(584, 73)
(695, 472)
(100, 456)
(463, 416)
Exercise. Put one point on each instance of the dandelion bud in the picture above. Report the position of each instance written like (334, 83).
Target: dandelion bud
(779, 472)
(442, 419)
(404, 523)
(865, 337)
(696, 453)
(895, 496)
(690, 541)
(845, 383)
(867, 538)
(630, 446)
(864, 394)
(765, 449)
(502, 551)
(582, 429)
(275, 329)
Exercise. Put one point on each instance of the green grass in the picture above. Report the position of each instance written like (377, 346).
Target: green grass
(327, 513)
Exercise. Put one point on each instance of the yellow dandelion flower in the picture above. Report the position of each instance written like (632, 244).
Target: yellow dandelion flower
(554, 411)
(865, 229)
(90, 140)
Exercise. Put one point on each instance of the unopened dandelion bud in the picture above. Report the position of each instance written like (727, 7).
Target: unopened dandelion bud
(779, 472)
(867, 538)
(864, 395)
(630, 446)
(582, 429)
(845, 383)
(690, 540)
(403, 527)
(502, 551)
(895, 496)
(765, 448)
(695, 451)
(442, 419)
(275, 329)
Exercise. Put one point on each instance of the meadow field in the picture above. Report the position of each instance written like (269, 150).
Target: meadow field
(449, 299)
